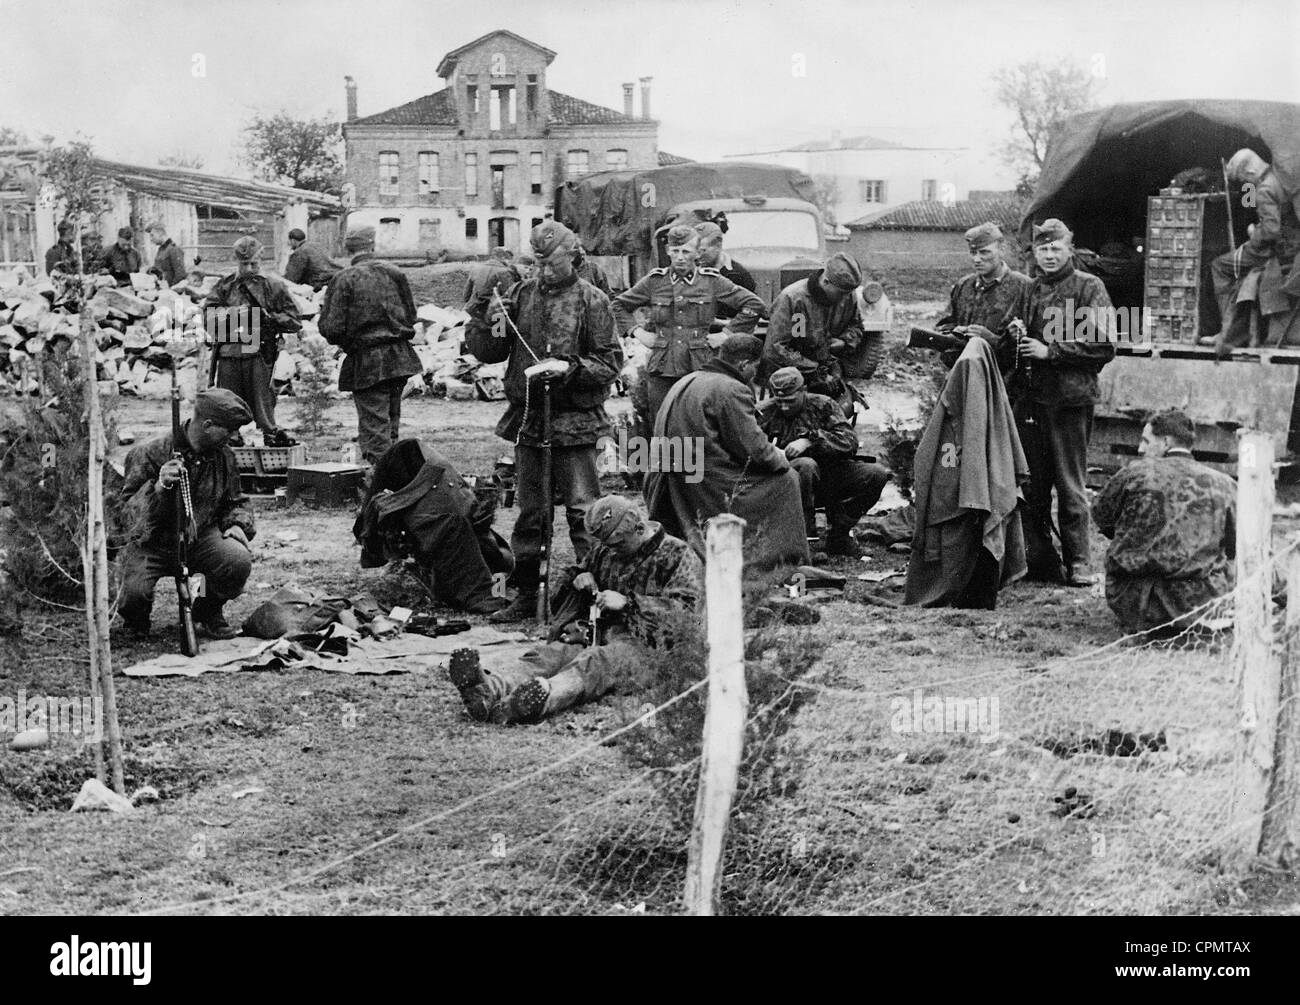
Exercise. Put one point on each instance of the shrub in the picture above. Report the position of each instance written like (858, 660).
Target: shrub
(312, 388)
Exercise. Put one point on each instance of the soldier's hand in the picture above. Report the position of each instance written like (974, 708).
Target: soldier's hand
(797, 447)
(982, 332)
(717, 338)
(837, 345)
(585, 581)
(610, 600)
(169, 474)
(236, 533)
(1031, 348)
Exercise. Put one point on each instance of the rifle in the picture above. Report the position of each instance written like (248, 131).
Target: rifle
(184, 509)
(543, 369)
(928, 338)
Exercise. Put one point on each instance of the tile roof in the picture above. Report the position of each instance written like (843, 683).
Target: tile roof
(931, 214)
(439, 109)
(668, 160)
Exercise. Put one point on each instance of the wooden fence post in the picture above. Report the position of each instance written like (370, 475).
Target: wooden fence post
(1257, 671)
(1280, 841)
(725, 714)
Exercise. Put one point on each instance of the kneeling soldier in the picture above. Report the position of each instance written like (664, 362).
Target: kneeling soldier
(223, 519)
(822, 448)
(639, 576)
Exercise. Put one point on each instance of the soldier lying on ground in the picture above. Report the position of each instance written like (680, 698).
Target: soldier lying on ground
(637, 575)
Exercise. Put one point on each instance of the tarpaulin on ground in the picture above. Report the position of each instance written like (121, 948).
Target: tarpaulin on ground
(615, 213)
(1101, 166)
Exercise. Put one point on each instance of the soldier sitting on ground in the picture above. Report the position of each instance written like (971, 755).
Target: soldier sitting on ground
(1172, 525)
(637, 575)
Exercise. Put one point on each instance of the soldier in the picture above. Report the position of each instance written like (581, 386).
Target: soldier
(638, 576)
(822, 448)
(713, 257)
(1053, 396)
(307, 264)
(63, 256)
(813, 322)
(168, 260)
(985, 302)
(683, 300)
(1171, 521)
(222, 516)
(246, 340)
(369, 312)
(121, 259)
(556, 316)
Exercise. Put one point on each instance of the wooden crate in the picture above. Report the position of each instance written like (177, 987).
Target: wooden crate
(264, 461)
(328, 484)
(1184, 234)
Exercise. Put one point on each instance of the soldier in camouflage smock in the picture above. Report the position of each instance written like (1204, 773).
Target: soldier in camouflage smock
(554, 316)
(1171, 521)
(985, 302)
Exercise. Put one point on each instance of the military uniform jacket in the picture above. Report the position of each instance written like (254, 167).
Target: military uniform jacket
(1277, 231)
(681, 310)
(369, 312)
(663, 578)
(64, 257)
(994, 305)
(309, 266)
(1169, 517)
(820, 420)
(803, 323)
(569, 321)
(269, 296)
(169, 263)
(215, 492)
(1076, 349)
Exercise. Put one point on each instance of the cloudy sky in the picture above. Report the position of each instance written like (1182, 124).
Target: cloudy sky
(125, 73)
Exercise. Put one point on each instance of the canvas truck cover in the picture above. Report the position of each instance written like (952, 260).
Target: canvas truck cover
(608, 210)
(1102, 165)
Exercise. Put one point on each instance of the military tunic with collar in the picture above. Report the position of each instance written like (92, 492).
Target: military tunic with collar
(681, 310)
(994, 305)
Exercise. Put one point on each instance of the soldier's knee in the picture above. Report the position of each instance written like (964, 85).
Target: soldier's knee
(807, 469)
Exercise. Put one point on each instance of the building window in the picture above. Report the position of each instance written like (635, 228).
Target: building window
(388, 172)
(871, 190)
(471, 228)
(578, 165)
(616, 160)
(471, 95)
(531, 95)
(929, 189)
(471, 176)
(535, 173)
(428, 173)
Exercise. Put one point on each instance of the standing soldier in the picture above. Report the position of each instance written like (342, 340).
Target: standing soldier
(62, 255)
(246, 312)
(369, 313)
(121, 259)
(1053, 396)
(814, 321)
(822, 448)
(683, 300)
(556, 316)
(985, 302)
(307, 264)
(168, 260)
(713, 257)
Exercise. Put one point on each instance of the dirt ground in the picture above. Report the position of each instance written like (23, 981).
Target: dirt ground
(287, 792)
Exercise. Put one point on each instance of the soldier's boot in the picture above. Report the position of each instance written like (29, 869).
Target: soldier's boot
(467, 674)
(528, 702)
(839, 542)
(522, 608)
(209, 619)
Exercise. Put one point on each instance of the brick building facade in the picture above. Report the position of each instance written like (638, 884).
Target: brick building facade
(475, 165)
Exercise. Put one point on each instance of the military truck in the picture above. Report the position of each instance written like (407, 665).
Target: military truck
(1109, 174)
(766, 212)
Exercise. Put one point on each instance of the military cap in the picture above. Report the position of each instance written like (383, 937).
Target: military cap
(786, 380)
(608, 514)
(247, 249)
(360, 237)
(126, 232)
(708, 232)
(66, 227)
(297, 235)
(843, 272)
(681, 233)
(549, 235)
(225, 408)
(1051, 230)
(983, 235)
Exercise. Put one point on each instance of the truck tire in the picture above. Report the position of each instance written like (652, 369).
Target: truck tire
(863, 363)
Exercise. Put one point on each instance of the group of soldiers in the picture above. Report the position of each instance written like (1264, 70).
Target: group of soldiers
(774, 462)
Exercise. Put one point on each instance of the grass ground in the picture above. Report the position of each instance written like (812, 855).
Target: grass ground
(264, 777)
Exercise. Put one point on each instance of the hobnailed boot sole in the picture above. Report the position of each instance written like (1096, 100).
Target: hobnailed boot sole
(529, 701)
(466, 673)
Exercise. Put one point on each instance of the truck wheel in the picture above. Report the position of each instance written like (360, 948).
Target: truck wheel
(870, 352)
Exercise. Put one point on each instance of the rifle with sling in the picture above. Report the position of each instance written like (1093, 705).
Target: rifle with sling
(185, 531)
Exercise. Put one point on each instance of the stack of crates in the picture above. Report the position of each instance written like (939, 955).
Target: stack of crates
(264, 469)
(1173, 266)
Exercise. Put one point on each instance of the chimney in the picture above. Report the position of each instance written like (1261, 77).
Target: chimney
(351, 86)
(627, 99)
(645, 97)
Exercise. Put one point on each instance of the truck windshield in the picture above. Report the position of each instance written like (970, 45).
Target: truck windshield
(771, 229)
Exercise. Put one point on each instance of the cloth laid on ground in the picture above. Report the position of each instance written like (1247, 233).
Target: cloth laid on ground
(891, 527)
(968, 471)
(403, 654)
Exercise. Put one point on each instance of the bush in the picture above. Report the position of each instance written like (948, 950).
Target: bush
(312, 388)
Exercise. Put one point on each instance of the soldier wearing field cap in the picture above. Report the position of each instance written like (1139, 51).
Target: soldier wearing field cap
(223, 518)
(560, 317)
(1053, 394)
(822, 447)
(63, 255)
(369, 312)
(245, 315)
(986, 301)
(713, 256)
(121, 259)
(682, 300)
(814, 321)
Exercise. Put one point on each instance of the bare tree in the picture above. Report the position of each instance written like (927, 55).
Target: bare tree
(1040, 96)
